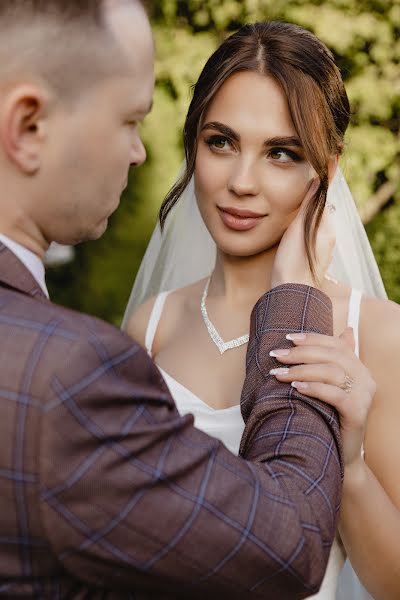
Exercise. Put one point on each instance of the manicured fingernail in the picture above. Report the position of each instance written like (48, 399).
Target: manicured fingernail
(299, 385)
(279, 371)
(278, 353)
(296, 337)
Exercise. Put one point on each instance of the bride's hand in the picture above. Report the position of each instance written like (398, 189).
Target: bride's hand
(327, 368)
(291, 263)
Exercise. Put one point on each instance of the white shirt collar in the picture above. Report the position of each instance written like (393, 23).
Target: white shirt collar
(29, 259)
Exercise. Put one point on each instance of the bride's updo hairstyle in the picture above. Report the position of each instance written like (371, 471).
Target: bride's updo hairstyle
(311, 81)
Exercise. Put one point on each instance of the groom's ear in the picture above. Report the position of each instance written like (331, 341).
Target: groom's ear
(22, 126)
(332, 166)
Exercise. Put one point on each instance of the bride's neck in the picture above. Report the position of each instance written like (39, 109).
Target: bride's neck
(242, 280)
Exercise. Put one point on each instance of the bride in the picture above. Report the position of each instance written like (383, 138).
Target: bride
(267, 119)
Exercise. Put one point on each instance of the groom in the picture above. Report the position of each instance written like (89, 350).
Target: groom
(106, 491)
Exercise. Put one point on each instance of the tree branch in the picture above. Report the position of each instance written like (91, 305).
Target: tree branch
(374, 204)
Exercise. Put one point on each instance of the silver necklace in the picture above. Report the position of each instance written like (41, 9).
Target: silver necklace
(214, 335)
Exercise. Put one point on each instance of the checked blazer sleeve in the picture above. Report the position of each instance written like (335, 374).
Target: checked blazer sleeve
(138, 503)
(296, 438)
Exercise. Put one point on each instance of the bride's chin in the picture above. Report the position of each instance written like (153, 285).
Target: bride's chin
(245, 243)
(244, 250)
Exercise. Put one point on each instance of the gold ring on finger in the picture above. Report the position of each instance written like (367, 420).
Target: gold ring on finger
(347, 384)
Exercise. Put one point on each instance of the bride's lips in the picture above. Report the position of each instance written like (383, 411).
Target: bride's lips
(239, 219)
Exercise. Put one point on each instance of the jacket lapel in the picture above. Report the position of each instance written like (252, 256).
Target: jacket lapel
(14, 275)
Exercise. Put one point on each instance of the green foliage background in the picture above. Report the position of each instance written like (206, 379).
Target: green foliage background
(365, 38)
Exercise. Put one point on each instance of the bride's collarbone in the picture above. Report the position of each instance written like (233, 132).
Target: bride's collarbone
(195, 362)
(183, 349)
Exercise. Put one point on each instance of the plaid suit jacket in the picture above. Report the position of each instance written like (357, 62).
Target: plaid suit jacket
(107, 492)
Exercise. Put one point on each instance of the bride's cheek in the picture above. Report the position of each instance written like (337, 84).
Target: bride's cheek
(287, 190)
(284, 202)
(205, 174)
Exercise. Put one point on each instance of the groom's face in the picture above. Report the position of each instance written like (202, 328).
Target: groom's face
(65, 154)
(94, 143)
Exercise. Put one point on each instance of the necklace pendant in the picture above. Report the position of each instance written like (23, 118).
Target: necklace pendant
(213, 333)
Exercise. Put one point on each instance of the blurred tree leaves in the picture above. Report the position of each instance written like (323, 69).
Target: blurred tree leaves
(364, 36)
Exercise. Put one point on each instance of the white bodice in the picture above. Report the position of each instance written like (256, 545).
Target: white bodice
(227, 424)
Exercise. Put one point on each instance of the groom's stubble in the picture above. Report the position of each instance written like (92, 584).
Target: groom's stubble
(90, 83)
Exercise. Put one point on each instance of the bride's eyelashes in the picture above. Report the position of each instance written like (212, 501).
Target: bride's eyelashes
(221, 144)
(218, 143)
(284, 155)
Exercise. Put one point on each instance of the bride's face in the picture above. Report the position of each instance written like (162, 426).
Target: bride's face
(251, 174)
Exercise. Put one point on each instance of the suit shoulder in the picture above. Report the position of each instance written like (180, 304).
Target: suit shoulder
(59, 323)
(94, 349)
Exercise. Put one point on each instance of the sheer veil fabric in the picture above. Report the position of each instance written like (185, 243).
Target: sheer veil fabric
(185, 252)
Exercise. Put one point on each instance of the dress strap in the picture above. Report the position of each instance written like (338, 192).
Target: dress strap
(154, 321)
(353, 318)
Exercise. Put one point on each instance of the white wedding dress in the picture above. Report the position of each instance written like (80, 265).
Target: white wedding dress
(227, 424)
(184, 252)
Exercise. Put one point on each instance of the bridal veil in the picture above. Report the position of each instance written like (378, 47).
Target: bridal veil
(185, 252)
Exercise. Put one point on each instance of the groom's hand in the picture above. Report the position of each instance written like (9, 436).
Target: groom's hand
(291, 262)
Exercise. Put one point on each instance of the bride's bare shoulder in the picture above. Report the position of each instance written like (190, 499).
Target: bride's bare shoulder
(138, 321)
(188, 294)
(175, 303)
(380, 324)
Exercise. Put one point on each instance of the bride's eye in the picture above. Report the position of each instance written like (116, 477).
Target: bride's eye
(218, 142)
(284, 155)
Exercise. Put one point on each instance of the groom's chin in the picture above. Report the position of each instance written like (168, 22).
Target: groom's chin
(96, 233)
(88, 235)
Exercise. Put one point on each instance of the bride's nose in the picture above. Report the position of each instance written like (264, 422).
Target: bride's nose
(243, 179)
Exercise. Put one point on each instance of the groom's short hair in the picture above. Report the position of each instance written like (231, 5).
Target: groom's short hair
(66, 42)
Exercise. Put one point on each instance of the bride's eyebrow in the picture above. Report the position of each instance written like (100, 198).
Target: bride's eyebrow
(222, 129)
(291, 140)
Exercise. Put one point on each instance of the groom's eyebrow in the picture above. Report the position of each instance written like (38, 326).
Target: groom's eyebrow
(290, 140)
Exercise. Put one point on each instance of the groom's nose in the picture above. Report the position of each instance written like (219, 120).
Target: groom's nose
(138, 152)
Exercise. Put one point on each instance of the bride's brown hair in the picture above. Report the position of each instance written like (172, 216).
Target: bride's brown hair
(311, 81)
